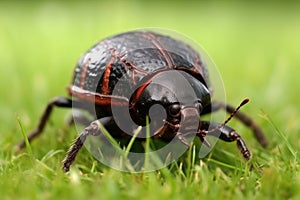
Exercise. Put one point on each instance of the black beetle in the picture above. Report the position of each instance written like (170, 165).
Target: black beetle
(125, 55)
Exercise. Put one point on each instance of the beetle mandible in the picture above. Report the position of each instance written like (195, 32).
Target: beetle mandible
(104, 65)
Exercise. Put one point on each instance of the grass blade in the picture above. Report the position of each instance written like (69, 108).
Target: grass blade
(28, 147)
(282, 136)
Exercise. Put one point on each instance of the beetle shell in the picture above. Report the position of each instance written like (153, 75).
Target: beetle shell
(135, 55)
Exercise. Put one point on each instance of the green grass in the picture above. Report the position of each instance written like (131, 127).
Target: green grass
(255, 46)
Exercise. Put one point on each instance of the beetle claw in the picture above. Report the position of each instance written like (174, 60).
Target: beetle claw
(182, 139)
(205, 142)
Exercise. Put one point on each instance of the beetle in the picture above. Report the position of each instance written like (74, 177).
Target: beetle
(143, 57)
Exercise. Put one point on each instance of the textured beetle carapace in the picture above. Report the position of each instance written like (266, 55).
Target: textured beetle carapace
(125, 79)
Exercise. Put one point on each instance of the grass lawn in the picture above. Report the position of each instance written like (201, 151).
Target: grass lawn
(254, 45)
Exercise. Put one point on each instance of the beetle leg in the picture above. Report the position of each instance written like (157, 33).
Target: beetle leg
(74, 149)
(78, 143)
(204, 141)
(226, 134)
(92, 129)
(182, 139)
(56, 102)
(246, 120)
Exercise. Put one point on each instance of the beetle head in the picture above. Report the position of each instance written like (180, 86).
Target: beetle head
(173, 99)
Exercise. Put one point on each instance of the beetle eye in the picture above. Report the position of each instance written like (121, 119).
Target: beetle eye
(174, 110)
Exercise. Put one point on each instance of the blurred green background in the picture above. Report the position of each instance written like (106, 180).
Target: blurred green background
(254, 44)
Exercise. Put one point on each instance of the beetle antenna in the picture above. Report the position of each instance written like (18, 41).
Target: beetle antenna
(246, 100)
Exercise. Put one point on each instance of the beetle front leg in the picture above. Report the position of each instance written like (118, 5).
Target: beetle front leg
(56, 102)
(224, 133)
(92, 129)
(246, 120)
